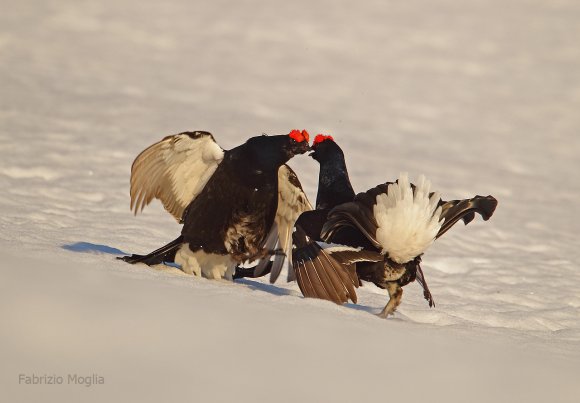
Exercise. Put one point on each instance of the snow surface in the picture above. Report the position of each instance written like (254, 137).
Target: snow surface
(482, 96)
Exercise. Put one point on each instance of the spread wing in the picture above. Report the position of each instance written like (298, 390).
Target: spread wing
(174, 170)
(292, 202)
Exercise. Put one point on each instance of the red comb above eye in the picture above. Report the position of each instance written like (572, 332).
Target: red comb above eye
(299, 136)
(320, 138)
(306, 136)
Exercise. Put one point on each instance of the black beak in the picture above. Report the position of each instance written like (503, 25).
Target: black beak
(304, 147)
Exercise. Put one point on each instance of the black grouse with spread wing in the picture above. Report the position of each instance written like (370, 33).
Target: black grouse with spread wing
(236, 205)
(378, 235)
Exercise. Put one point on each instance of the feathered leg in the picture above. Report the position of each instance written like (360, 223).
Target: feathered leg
(395, 295)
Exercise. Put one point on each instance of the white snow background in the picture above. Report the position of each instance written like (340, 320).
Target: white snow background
(482, 96)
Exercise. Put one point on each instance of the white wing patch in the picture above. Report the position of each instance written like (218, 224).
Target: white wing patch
(292, 202)
(408, 221)
(174, 170)
(335, 247)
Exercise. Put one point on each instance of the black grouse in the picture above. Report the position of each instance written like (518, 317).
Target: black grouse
(377, 236)
(236, 205)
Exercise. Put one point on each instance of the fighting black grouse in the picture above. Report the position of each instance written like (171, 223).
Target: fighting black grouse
(236, 205)
(378, 235)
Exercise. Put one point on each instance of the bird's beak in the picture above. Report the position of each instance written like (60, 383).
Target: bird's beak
(304, 147)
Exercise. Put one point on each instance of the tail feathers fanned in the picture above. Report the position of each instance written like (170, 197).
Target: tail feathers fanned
(408, 218)
(318, 274)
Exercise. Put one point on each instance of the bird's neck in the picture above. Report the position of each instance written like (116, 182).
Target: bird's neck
(334, 185)
(251, 171)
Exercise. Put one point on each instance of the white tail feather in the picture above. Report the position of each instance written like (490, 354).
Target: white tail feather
(408, 221)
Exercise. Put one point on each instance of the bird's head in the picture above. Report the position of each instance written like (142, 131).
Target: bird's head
(274, 151)
(325, 149)
(298, 142)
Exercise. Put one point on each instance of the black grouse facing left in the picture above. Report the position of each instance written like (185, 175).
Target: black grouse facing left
(377, 236)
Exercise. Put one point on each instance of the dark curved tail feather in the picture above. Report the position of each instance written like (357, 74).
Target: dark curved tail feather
(165, 254)
(465, 210)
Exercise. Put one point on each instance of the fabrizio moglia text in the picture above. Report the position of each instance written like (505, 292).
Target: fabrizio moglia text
(70, 379)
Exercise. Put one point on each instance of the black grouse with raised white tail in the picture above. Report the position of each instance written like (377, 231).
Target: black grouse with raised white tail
(236, 205)
(378, 236)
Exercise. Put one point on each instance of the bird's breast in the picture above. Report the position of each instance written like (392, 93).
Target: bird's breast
(245, 235)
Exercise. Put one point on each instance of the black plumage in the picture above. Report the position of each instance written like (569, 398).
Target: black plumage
(236, 210)
(334, 185)
(231, 208)
(350, 221)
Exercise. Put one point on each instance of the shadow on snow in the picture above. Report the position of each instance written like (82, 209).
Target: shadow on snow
(87, 247)
(269, 288)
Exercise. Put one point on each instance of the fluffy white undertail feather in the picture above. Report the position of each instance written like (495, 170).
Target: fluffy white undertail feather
(408, 220)
(202, 264)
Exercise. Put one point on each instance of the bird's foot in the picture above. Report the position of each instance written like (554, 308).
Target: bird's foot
(384, 315)
(387, 310)
(396, 295)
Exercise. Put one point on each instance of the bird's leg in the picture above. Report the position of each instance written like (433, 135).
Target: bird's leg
(395, 295)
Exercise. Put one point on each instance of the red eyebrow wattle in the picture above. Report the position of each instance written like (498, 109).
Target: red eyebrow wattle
(320, 138)
(306, 136)
(299, 136)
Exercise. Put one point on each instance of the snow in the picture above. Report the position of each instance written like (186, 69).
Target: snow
(480, 96)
